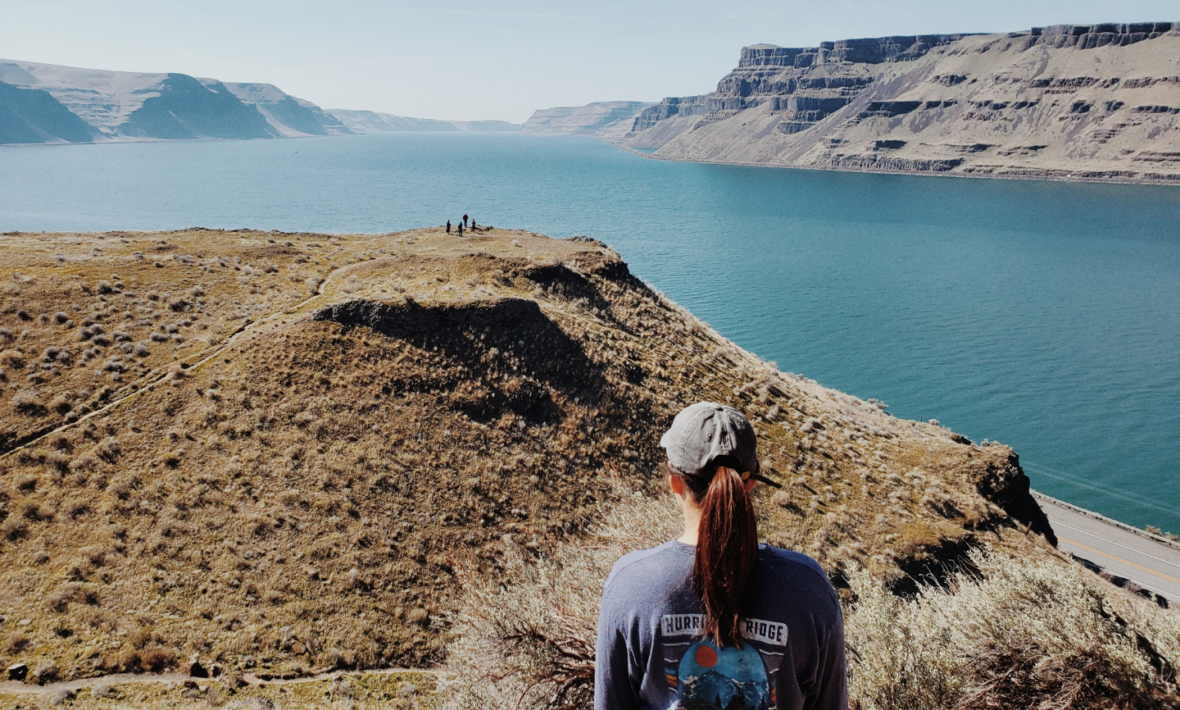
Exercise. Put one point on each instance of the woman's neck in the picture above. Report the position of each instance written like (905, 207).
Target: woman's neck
(692, 524)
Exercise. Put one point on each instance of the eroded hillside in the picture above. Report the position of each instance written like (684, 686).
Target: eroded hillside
(318, 431)
(1067, 102)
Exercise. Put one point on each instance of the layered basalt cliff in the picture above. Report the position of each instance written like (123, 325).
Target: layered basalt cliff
(1079, 102)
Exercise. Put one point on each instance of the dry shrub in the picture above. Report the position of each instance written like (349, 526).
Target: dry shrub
(27, 402)
(12, 359)
(15, 642)
(153, 660)
(1025, 634)
(526, 635)
(1029, 634)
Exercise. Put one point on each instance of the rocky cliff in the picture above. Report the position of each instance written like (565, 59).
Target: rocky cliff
(1066, 102)
(608, 120)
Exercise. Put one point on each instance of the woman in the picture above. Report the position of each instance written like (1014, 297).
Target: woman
(713, 619)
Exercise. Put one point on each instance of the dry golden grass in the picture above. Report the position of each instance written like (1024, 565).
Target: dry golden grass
(301, 497)
(74, 308)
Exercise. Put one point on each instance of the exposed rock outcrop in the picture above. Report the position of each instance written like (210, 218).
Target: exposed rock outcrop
(1067, 102)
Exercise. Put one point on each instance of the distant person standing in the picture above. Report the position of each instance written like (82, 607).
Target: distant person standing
(464, 220)
(460, 229)
(473, 228)
(448, 226)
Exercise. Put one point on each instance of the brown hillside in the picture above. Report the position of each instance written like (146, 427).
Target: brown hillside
(302, 494)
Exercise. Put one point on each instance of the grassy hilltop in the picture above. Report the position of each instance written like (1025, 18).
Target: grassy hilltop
(293, 453)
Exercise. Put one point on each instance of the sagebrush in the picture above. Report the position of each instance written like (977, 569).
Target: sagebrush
(1012, 633)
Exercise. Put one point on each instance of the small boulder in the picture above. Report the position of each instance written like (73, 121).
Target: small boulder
(61, 696)
(18, 671)
(194, 669)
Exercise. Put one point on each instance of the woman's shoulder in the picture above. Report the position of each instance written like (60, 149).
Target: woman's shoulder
(648, 563)
(791, 561)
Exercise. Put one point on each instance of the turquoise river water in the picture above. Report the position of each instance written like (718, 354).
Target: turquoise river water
(1043, 315)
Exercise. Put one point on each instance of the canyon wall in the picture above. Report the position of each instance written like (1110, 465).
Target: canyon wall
(1066, 102)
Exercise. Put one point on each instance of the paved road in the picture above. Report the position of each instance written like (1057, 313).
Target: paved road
(1102, 542)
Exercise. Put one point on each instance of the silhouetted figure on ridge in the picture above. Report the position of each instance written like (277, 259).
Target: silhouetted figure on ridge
(460, 229)
(464, 220)
(448, 226)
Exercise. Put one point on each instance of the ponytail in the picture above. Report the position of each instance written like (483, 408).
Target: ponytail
(726, 554)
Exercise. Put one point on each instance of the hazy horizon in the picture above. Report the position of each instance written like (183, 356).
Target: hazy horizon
(462, 60)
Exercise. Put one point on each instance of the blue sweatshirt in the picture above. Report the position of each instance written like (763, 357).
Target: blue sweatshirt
(652, 655)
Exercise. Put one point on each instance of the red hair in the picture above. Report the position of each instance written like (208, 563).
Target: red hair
(727, 551)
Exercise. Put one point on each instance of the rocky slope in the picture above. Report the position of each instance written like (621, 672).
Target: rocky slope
(375, 122)
(1067, 102)
(608, 120)
(277, 450)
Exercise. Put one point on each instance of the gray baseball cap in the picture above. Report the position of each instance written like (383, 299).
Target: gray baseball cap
(705, 435)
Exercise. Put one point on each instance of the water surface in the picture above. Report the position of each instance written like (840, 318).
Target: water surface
(1043, 315)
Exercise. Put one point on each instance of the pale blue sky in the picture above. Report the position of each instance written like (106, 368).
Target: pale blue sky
(462, 59)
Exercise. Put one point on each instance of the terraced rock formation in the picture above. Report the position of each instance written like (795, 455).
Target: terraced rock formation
(1066, 102)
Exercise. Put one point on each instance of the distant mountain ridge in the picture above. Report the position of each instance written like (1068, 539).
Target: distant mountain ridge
(48, 103)
(608, 120)
(375, 122)
(1099, 102)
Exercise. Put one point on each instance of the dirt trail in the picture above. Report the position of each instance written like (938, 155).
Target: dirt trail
(205, 356)
(17, 687)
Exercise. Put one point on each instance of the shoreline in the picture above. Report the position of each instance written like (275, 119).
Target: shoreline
(1105, 519)
(1033, 176)
(1046, 177)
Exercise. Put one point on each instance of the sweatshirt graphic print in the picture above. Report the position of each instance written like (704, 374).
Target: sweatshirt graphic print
(704, 677)
(652, 653)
